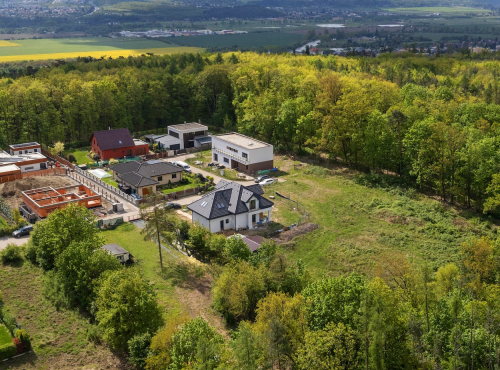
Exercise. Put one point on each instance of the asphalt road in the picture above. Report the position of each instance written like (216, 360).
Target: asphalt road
(6, 240)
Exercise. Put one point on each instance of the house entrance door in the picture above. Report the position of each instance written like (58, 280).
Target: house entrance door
(222, 225)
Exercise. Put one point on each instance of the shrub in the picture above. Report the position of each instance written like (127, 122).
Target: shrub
(11, 254)
(7, 231)
(9, 321)
(210, 188)
(138, 348)
(7, 351)
(24, 338)
(1, 303)
(71, 158)
(317, 171)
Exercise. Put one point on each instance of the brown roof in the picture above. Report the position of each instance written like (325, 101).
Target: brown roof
(113, 139)
(253, 242)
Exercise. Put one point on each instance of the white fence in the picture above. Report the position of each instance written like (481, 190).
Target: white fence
(108, 190)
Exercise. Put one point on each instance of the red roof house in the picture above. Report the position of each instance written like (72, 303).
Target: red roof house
(117, 143)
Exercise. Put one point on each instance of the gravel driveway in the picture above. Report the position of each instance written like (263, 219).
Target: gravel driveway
(5, 240)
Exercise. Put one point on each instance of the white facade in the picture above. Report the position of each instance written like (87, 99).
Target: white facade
(186, 133)
(33, 167)
(243, 220)
(240, 148)
(25, 148)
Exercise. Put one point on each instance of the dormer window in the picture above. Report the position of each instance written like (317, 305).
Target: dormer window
(252, 204)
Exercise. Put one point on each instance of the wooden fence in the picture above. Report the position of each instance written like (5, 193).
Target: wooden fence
(58, 159)
(47, 172)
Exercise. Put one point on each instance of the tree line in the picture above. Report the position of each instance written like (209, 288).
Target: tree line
(432, 122)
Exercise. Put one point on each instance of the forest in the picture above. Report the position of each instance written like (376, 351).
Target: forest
(432, 123)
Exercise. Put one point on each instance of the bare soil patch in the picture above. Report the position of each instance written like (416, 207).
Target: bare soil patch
(287, 236)
(11, 191)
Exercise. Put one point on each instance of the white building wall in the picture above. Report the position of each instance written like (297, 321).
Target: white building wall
(201, 220)
(255, 155)
(25, 151)
(241, 221)
(215, 223)
(30, 167)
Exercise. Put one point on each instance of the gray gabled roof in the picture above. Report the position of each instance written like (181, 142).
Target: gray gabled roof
(137, 180)
(228, 198)
(140, 174)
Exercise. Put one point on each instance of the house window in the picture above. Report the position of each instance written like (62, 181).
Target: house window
(174, 175)
(254, 218)
(160, 178)
(35, 150)
(174, 134)
(216, 157)
(226, 160)
(25, 152)
(252, 204)
(232, 149)
(29, 168)
(227, 220)
(244, 155)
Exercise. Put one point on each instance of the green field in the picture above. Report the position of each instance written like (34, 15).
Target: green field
(5, 337)
(31, 49)
(360, 226)
(439, 9)
(249, 41)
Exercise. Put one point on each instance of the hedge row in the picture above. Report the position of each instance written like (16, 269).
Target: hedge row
(7, 351)
(8, 230)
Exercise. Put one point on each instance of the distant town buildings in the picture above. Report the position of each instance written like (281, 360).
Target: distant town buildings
(176, 33)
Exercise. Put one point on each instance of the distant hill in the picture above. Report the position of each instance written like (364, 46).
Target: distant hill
(349, 4)
(242, 12)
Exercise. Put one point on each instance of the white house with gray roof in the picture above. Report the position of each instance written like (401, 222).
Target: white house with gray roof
(231, 206)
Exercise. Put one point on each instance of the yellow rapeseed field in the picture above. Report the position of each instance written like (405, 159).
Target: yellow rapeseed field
(7, 43)
(105, 53)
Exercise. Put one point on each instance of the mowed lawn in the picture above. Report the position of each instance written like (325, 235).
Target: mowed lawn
(5, 337)
(38, 49)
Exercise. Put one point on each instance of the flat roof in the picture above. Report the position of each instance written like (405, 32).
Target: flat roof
(192, 126)
(139, 142)
(23, 145)
(243, 141)
(9, 168)
(18, 158)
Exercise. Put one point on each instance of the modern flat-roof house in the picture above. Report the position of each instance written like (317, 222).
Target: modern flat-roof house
(144, 177)
(117, 143)
(43, 201)
(31, 161)
(187, 132)
(231, 206)
(25, 148)
(242, 153)
(115, 250)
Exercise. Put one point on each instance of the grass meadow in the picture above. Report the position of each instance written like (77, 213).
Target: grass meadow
(5, 337)
(362, 226)
(41, 49)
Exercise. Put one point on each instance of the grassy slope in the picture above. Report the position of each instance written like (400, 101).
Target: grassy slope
(362, 226)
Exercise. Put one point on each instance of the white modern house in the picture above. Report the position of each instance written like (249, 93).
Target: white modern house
(231, 206)
(243, 153)
(25, 148)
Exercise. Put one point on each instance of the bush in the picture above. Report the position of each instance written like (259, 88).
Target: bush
(317, 171)
(71, 158)
(24, 338)
(11, 254)
(210, 188)
(138, 348)
(7, 351)
(7, 231)
(8, 320)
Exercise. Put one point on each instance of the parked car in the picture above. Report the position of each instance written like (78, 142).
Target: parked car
(221, 166)
(266, 182)
(173, 205)
(25, 230)
(261, 178)
(135, 196)
(212, 164)
(183, 165)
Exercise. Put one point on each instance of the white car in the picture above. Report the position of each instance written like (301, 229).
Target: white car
(266, 182)
(182, 165)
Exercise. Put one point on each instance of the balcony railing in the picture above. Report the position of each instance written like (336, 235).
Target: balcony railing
(231, 155)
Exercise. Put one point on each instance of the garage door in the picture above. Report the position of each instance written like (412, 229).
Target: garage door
(175, 147)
